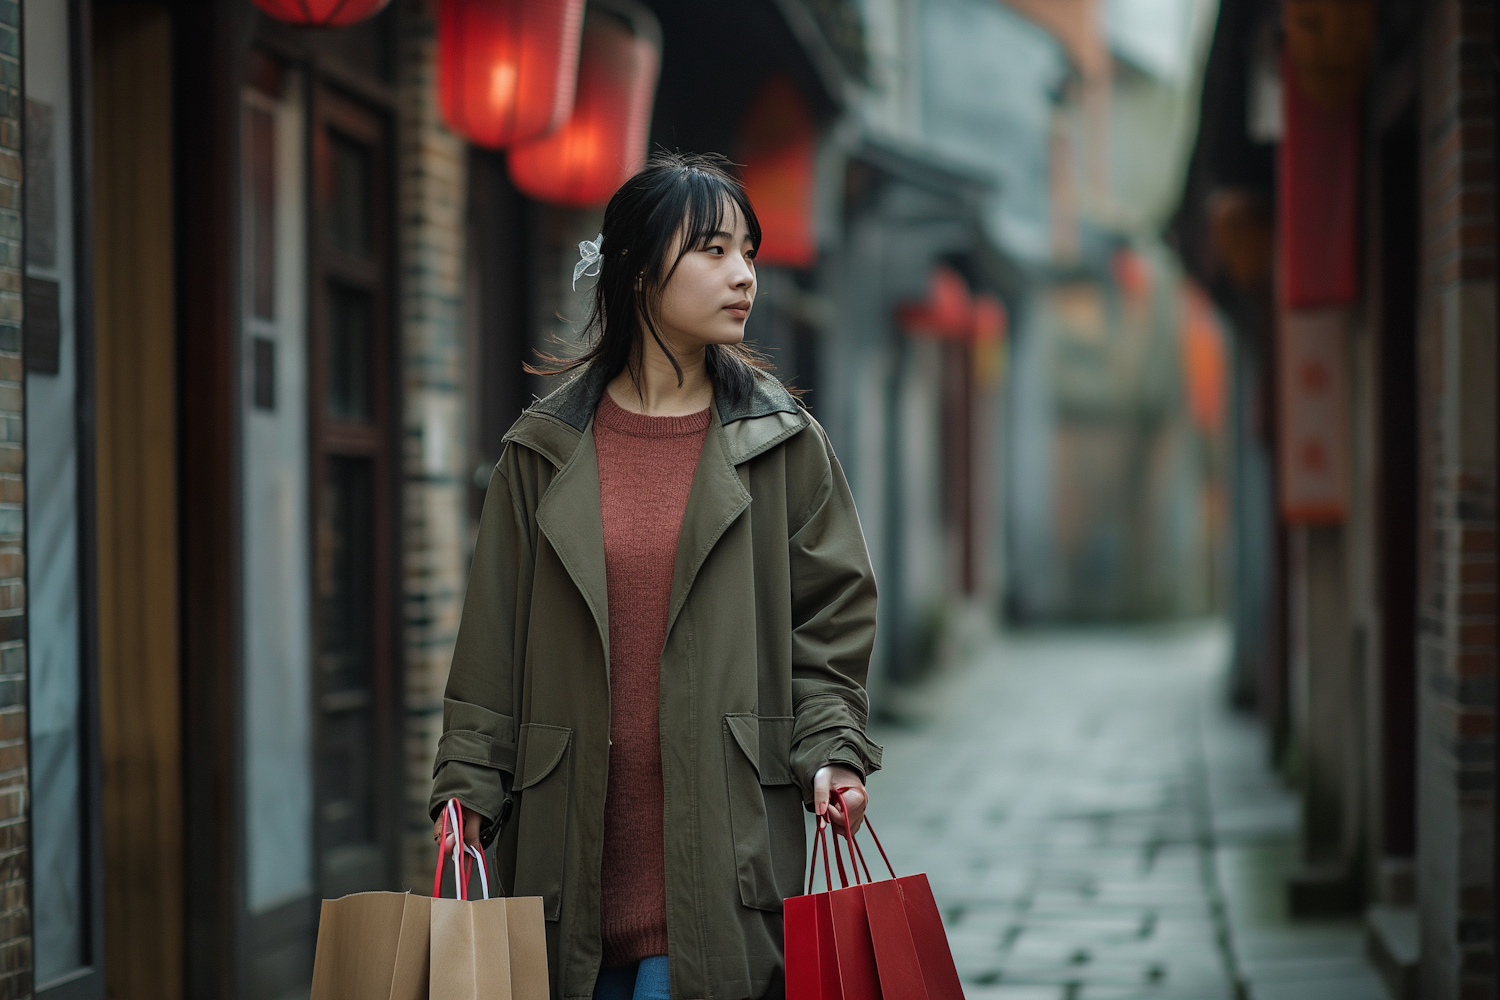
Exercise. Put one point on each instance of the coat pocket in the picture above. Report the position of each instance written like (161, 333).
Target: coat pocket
(545, 769)
(756, 756)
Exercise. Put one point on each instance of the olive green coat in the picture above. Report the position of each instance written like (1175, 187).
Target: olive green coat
(770, 624)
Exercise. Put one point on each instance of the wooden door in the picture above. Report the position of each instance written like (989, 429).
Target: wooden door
(352, 493)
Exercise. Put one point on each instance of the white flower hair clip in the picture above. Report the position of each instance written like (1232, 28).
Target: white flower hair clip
(591, 254)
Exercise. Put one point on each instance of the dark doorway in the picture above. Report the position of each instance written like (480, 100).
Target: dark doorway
(1400, 241)
(499, 309)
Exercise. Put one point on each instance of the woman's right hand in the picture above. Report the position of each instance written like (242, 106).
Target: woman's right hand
(471, 831)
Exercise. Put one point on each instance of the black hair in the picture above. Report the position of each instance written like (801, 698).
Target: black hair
(686, 191)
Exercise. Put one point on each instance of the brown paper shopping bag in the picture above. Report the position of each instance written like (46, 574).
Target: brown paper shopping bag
(373, 946)
(490, 948)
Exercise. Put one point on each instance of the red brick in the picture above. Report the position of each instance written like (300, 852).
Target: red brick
(1470, 604)
(1476, 989)
(1476, 571)
(1478, 541)
(1471, 665)
(1478, 961)
(1467, 725)
(10, 804)
(12, 757)
(1476, 634)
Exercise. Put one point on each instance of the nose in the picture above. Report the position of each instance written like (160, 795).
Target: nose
(743, 277)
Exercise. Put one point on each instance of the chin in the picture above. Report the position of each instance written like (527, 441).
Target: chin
(725, 335)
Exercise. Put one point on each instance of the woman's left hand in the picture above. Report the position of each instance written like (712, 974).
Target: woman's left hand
(848, 781)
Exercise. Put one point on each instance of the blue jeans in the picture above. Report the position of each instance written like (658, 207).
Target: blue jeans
(643, 980)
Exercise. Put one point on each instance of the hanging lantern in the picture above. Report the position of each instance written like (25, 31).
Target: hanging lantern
(604, 142)
(507, 68)
(321, 13)
(778, 146)
(991, 324)
(948, 311)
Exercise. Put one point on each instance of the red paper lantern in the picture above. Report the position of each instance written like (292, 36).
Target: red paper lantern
(507, 68)
(778, 146)
(991, 321)
(604, 143)
(321, 13)
(947, 313)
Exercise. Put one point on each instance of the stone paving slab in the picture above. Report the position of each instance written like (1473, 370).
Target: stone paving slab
(1095, 827)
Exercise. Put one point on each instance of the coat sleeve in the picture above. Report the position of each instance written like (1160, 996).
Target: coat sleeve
(833, 625)
(476, 756)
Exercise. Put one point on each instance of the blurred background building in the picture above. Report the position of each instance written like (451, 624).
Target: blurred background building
(1115, 311)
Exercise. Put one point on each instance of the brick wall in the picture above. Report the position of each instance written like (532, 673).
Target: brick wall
(435, 531)
(15, 866)
(1457, 610)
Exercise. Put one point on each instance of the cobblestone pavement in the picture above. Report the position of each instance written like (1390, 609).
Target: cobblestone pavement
(1096, 828)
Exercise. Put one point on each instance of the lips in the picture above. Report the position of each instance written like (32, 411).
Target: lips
(739, 310)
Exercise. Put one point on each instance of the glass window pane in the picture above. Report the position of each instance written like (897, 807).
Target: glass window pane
(260, 191)
(350, 313)
(61, 917)
(349, 201)
(278, 680)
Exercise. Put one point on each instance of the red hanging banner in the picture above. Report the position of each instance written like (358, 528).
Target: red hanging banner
(1313, 446)
(1317, 199)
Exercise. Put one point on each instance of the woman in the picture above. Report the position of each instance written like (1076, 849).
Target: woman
(668, 624)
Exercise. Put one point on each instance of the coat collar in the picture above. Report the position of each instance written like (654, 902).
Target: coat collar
(554, 426)
(569, 513)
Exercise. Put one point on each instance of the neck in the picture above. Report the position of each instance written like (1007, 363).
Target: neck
(658, 393)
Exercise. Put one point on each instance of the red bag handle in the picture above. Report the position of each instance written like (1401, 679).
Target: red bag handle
(822, 840)
(853, 847)
(856, 856)
(453, 822)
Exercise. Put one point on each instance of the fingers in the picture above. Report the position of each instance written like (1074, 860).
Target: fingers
(822, 782)
(855, 799)
(471, 832)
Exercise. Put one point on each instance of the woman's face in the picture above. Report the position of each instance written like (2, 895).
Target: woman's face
(709, 296)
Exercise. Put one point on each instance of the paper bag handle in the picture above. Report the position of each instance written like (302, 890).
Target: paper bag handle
(453, 821)
(856, 856)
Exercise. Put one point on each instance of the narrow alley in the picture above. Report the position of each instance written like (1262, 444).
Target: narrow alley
(1096, 826)
(1123, 374)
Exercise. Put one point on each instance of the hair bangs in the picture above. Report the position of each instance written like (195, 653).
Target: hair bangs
(705, 212)
(679, 202)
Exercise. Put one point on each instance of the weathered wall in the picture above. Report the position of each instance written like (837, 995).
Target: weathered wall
(1458, 565)
(435, 528)
(15, 859)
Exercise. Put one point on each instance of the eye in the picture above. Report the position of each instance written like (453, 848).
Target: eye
(714, 248)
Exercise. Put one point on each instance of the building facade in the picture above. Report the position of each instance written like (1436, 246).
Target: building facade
(1366, 604)
(275, 320)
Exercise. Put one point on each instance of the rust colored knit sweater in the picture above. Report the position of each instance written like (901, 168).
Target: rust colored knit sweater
(646, 467)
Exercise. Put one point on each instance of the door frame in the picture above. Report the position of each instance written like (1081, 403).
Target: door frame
(89, 982)
(212, 43)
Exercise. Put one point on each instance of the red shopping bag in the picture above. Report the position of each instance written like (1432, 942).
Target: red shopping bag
(867, 941)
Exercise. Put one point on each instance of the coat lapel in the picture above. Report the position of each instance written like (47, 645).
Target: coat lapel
(571, 518)
(570, 514)
(717, 498)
